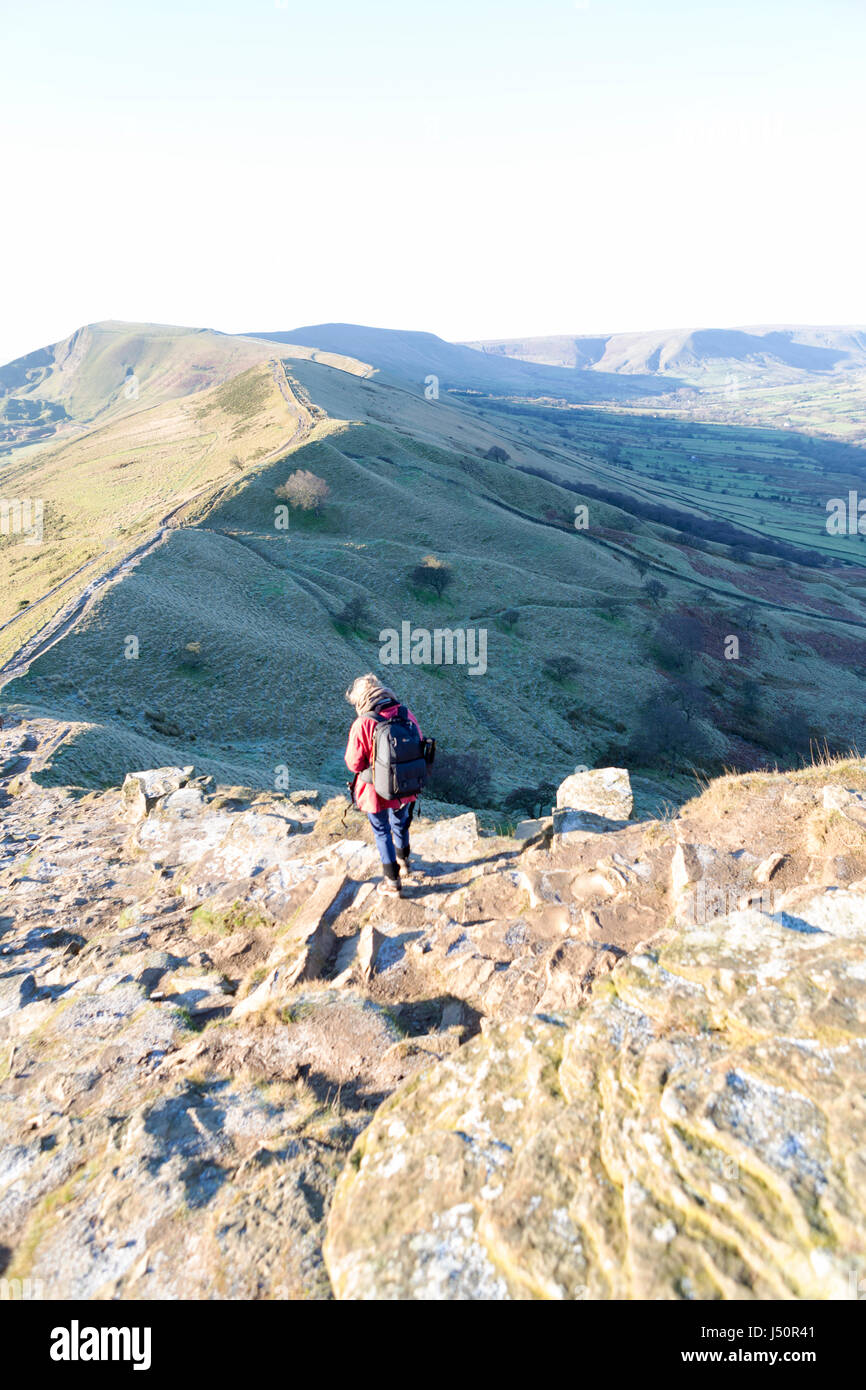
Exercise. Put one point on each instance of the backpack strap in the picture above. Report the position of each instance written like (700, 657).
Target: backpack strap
(367, 774)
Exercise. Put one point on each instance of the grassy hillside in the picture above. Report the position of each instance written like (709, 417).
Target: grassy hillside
(106, 492)
(606, 644)
(109, 370)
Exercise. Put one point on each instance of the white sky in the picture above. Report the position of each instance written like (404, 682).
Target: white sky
(470, 167)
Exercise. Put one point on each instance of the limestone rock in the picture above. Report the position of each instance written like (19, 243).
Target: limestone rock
(276, 984)
(369, 945)
(304, 929)
(302, 953)
(850, 804)
(570, 826)
(768, 867)
(448, 841)
(694, 1132)
(142, 790)
(192, 990)
(686, 868)
(542, 887)
(837, 911)
(604, 792)
(528, 829)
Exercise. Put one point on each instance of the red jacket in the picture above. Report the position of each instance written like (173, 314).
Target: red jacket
(359, 751)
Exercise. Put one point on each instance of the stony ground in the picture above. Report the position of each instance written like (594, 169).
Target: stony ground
(609, 1059)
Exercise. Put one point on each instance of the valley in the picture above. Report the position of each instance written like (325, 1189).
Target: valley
(655, 589)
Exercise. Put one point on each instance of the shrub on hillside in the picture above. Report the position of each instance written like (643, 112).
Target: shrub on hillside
(353, 616)
(787, 735)
(432, 574)
(666, 737)
(610, 608)
(675, 644)
(463, 778)
(530, 801)
(304, 489)
(560, 668)
(654, 590)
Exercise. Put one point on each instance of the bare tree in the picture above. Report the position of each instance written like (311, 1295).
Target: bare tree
(304, 489)
(654, 590)
(432, 573)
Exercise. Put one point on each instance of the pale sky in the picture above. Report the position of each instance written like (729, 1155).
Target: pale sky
(467, 167)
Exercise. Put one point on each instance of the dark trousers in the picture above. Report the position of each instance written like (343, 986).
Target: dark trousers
(391, 832)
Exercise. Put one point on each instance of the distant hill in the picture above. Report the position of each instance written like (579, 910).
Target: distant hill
(108, 369)
(411, 357)
(686, 352)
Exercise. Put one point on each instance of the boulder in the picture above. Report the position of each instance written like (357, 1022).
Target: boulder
(604, 792)
(142, 790)
(452, 841)
(528, 829)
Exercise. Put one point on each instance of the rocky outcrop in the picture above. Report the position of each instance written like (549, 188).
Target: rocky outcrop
(696, 1131)
(142, 790)
(604, 791)
(616, 1060)
(592, 801)
(302, 951)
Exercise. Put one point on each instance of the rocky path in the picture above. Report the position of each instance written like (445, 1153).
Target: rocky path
(219, 1044)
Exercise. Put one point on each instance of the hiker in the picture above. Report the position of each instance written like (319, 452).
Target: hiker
(389, 757)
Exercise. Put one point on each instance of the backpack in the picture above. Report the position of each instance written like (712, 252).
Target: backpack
(400, 757)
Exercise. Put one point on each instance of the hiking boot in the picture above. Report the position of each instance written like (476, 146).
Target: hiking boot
(409, 872)
(389, 888)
